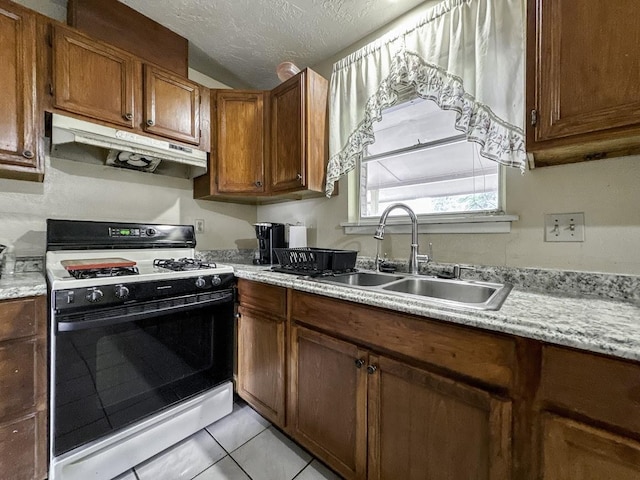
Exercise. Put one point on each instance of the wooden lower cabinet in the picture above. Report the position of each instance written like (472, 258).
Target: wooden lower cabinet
(261, 363)
(576, 451)
(327, 405)
(262, 340)
(370, 416)
(424, 426)
(23, 389)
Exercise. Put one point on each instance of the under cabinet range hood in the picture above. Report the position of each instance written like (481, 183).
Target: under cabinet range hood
(74, 139)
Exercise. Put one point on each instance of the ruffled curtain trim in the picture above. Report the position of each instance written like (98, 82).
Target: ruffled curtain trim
(499, 141)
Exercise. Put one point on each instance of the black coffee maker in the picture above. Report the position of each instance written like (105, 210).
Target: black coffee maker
(270, 236)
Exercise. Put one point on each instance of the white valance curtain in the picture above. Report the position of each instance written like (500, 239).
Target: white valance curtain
(465, 55)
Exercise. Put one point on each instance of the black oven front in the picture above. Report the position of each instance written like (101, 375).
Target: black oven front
(118, 364)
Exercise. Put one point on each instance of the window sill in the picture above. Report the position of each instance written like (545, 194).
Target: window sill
(464, 224)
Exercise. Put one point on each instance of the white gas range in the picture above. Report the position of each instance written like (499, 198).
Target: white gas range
(141, 342)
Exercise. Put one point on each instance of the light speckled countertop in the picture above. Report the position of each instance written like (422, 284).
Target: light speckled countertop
(22, 285)
(598, 325)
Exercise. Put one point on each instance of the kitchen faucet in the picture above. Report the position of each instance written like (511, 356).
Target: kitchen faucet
(414, 257)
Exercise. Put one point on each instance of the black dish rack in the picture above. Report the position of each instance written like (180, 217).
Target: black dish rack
(315, 261)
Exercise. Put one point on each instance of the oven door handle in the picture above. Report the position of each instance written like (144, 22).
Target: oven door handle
(89, 323)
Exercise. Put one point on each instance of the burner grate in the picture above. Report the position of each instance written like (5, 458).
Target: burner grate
(103, 272)
(182, 264)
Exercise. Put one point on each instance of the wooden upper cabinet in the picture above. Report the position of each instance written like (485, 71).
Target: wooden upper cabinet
(583, 79)
(422, 425)
(572, 450)
(239, 141)
(299, 133)
(18, 133)
(92, 79)
(172, 106)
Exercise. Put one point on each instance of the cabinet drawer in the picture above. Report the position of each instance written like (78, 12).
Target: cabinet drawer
(603, 389)
(17, 378)
(262, 297)
(17, 318)
(483, 356)
(23, 448)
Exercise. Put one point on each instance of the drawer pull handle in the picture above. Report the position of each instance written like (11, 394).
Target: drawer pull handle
(359, 363)
(371, 369)
(150, 122)
(27, 154)
(128, 116)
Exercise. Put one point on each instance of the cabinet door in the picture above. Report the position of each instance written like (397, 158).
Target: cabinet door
(172, 106)
(17, 84)
(239, 141)
(288, 135)
(261, 363)
(328, 400)
(587, 65)
(574, 451)
(21, 455)
(92, 79)
(425, 426)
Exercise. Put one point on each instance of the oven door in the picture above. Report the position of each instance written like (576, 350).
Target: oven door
(116, 366)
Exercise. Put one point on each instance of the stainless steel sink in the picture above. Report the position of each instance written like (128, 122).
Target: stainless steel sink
(454, 293)
(362, 279)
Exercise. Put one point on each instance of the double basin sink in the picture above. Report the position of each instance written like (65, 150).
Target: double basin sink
(450, 292)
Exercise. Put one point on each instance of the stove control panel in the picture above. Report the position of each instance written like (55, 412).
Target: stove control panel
(134, 292)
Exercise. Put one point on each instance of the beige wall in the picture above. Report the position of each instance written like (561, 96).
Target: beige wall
(607, 191)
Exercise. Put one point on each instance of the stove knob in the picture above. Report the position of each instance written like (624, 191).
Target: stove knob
(200, 282)
(122, 291)
(216, 280)
(94, 295)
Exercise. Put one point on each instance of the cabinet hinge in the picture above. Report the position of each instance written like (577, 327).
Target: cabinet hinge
(51, 89)
(534, 118)
(49, 39)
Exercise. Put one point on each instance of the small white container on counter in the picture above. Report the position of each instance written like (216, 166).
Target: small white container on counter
(297, 236)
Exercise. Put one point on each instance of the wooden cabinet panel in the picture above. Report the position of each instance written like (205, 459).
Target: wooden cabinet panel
(584, 78)
(172, 106)
(18, 133)
(483, 356)
(239, 142)
(261, 363)
(18, 319)
(600, 388)
(288, 136)
(327, 406)
(23, 388)
(574, 451)
(18, 361)
(22, 448)
(262, 297)
(425, 426)
(92, 79)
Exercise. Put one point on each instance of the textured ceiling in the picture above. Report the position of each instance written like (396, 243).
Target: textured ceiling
(249, 38)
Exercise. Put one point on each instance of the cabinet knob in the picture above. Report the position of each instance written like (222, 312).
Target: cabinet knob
(258, 183)
(359, 362)
(371, 369)
(150, 122)
(299, 176)
(27, 154)
(128, 116)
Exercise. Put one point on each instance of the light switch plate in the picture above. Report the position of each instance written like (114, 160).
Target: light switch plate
(199, 225)
(564, 227)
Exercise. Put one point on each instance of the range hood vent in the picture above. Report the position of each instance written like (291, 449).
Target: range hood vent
(74, 139)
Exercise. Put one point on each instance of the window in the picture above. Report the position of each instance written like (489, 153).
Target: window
(420, 159)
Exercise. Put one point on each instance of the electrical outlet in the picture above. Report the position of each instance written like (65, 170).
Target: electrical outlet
(199, 225)
(564, 227)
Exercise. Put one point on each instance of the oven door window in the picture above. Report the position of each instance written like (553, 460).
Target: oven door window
(111, 376)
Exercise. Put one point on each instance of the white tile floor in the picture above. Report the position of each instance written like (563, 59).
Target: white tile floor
(241, 446)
